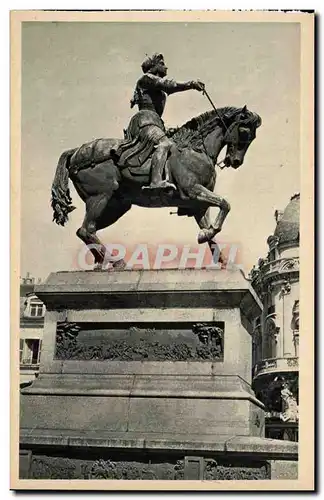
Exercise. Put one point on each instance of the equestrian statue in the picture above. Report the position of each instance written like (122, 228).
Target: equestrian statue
(153, 166)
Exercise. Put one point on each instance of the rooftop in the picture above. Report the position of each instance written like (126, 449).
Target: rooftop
(287, 229)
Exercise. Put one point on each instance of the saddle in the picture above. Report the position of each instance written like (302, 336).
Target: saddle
(143, 132)
(133, 152)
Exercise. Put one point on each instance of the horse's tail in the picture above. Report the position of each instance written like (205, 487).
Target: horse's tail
(61, 200)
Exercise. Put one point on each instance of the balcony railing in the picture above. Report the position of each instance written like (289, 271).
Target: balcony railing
(286, 264)
(275, 365)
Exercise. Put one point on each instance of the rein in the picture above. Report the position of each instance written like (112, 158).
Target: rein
(215, 109)
(220, 163)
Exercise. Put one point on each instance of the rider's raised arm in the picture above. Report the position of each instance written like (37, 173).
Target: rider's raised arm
(167, 85)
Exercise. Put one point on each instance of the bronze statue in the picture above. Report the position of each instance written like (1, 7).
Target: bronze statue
(109, 174)
(146, 128)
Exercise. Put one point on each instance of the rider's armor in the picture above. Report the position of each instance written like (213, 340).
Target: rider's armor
(151, 92)
(146, 132)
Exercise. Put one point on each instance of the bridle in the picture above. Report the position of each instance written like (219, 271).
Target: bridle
(220, 163)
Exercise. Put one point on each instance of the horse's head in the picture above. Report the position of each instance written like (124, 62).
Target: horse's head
(239, 135)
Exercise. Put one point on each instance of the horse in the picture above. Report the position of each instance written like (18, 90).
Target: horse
(109, 191)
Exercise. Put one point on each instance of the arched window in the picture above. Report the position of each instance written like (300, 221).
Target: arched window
(270, 339)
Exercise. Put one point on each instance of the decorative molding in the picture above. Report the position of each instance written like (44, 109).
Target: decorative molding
(292, 362)
(269, 365)
(289, 265)
(274, 270)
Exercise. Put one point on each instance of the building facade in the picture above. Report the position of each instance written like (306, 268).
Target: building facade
(32, 312)
(276, 331)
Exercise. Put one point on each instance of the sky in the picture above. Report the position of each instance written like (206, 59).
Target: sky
(77, 81)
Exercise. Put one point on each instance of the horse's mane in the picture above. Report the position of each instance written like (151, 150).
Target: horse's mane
(192, 133)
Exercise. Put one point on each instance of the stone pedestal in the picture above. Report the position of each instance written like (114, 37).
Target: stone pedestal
(146, 374)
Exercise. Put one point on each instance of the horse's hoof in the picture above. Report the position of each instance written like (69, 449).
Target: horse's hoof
(119, 265)
(205, 235)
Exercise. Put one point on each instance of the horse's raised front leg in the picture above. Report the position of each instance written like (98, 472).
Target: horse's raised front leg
(204, 195)
(204, 223)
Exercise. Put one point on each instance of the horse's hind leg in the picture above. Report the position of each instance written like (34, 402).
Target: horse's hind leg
(95, 207)
(115, 209)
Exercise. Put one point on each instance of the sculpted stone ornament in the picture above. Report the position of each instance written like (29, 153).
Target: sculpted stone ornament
(209, 335)
(290, 407)
(285, 289)
(110, 174)
(148, 346)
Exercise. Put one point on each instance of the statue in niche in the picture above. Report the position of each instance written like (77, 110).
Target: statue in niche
(289, 403)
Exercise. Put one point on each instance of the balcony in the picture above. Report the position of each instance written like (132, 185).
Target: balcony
(273, 365)
(278, 266)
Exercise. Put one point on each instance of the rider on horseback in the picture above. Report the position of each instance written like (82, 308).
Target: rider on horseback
(146, 132)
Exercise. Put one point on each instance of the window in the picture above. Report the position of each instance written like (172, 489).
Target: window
(36, 309)
(30, 351)
(270, 340)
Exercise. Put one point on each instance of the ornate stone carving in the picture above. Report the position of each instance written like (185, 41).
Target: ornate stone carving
(292, 362)
(147, 347)
(290, 408)
(44, 467)
(285, 289)
(47, 467)
(280, 398)
(215, 471)
(66, 339)
(254, 273)
(209, 334)
(278, 215)
(55, 467)
(289, 265)
(273, 241)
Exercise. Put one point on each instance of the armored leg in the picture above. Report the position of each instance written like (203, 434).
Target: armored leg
(159, 159)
